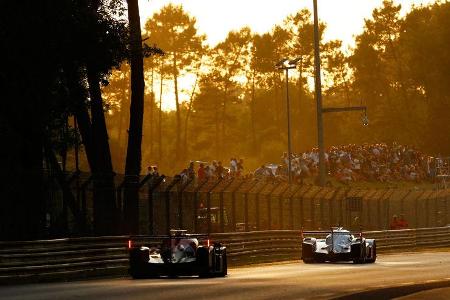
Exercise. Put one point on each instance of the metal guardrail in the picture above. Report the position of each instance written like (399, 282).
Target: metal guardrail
(75, 258)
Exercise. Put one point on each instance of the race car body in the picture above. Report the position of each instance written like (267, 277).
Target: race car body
(177, 254)
(338, 245)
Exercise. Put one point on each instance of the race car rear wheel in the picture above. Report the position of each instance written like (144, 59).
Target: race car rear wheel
(308, 260)
(224, 264)
(203, 256)
(308, 253)
(358, 253)
(373, 253)
(138, 262)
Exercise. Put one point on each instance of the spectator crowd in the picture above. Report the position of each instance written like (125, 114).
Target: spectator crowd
(213, 170)
(368, 162)
(347, 163)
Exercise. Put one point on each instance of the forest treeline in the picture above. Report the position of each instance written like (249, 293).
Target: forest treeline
(83, 61)
(398, 68)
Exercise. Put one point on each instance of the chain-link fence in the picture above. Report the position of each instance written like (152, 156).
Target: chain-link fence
(235, 205)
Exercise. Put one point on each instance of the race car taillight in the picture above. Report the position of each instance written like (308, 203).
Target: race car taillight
(129, 244)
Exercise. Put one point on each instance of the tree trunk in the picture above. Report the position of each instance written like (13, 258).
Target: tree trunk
(217, 135)
(223, 123)
(160, 115)
(186, 120)
(78, 95)
(105, 218)
(134, 154)
(177, 106)
(152, 114)
(252, 117)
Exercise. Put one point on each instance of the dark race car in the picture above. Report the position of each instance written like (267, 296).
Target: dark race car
(338, 245)
(178, 254)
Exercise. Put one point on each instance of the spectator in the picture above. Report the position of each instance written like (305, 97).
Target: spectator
(155, 171)
(213, 166)
(208, 172)
(395, 224)
(184, 176)
(201, 173)
(220, 170)
(152, 170)
(233, 166)
(240, 167)
(260, 171)
(149, 170)
(191, 171)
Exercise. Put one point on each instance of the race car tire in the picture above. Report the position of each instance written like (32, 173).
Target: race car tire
(358, 253)
(224, 264)
(203, 262)
(308, 253)
(308, 260)
(373, 257)
(138, 261)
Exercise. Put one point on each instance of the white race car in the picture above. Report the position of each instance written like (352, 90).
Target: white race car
(178, 254)
(338, 245)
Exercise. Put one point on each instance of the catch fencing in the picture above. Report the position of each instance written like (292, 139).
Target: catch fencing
(90, 257)
(243, 205)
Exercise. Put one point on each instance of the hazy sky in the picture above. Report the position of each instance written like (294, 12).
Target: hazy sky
(215, 18)
(345, 18)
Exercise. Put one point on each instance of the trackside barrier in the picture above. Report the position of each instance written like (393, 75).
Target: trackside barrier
(77, 258)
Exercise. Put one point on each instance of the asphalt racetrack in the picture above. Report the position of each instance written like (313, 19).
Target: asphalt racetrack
(289, 280)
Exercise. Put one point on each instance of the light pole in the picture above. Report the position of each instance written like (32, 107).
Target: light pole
(318, 89)
(320, 110)
(286, 64)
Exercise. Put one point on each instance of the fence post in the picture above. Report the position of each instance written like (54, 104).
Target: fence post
(281, 207)
(257, 212)
(341, 207)
(330, 206)
(151, 187)
(301, 210)
(379, 218)
(246, 216)
(446, 219)
(233, 203)
(291, 213)
(168, 206)
(269, 211)
(291, 205)
(280, 212)
(180, 202)
(257, 208)
(257, 204)
(200, 185)
(427, 213)
(208, 203)
(221, 206)
(313, 208)
(269, 207)
(84, 204)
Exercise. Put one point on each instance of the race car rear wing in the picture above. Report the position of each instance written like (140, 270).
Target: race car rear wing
(333, 231)
(157, 240)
